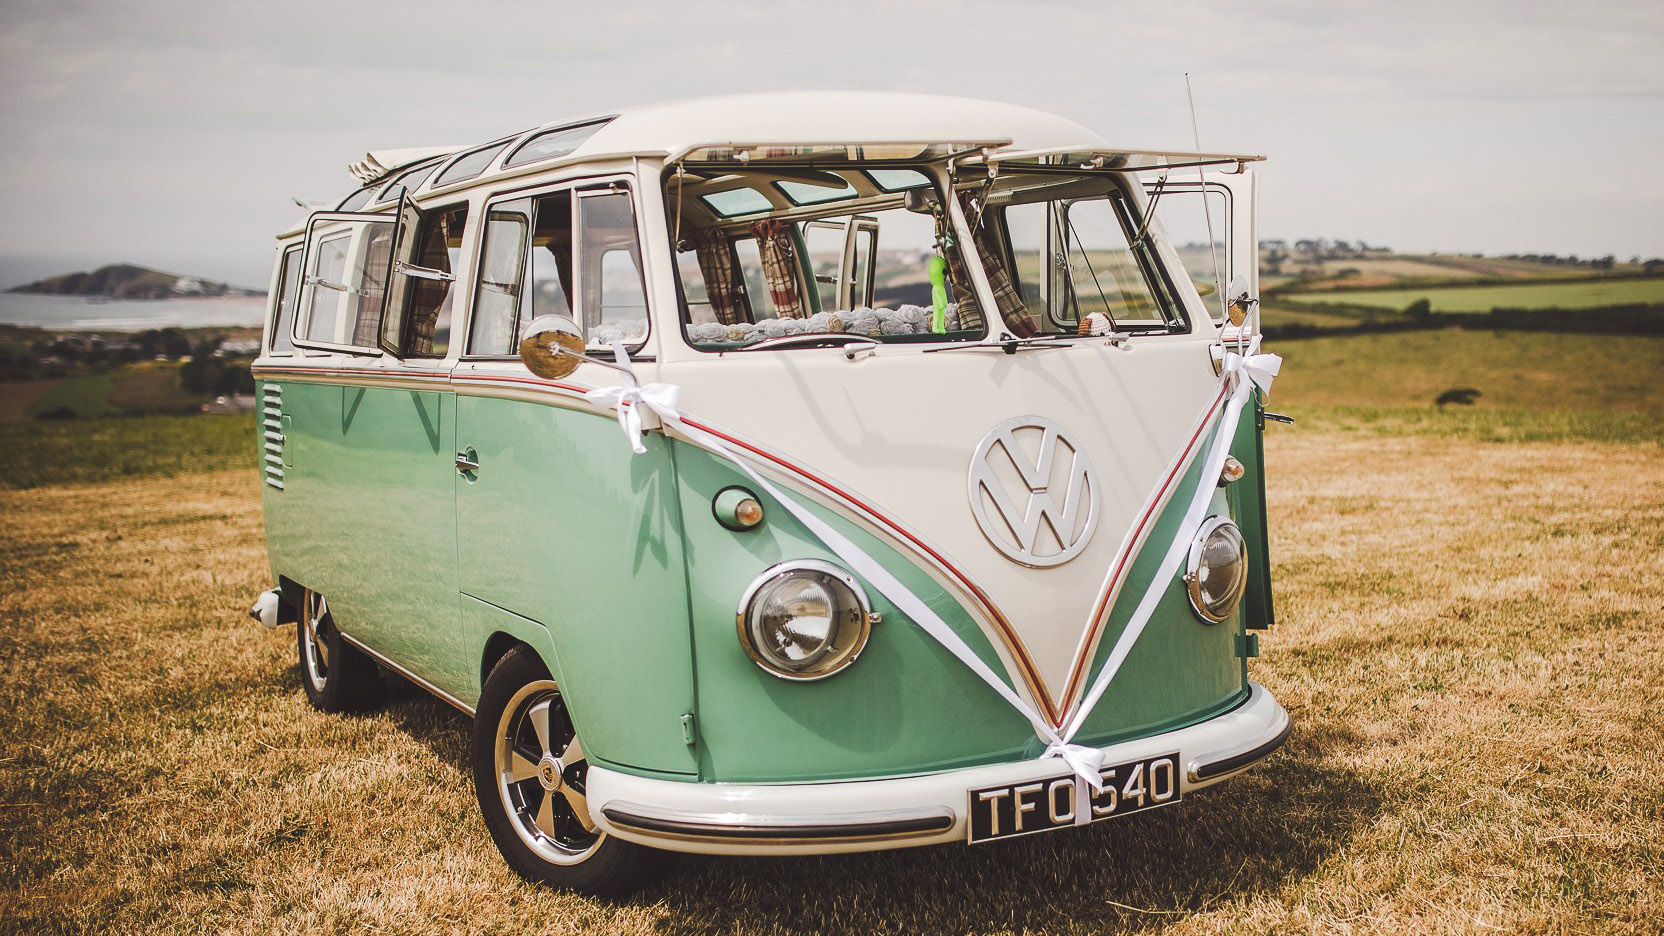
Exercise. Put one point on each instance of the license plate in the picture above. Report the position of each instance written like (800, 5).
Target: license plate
(1008, 811)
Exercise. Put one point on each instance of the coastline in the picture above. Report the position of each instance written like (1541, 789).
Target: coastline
(82, 313)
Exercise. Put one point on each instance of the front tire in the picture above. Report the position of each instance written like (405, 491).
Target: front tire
(529, 771)
(337, 676)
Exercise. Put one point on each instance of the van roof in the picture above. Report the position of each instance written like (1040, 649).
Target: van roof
(784, 117)
(674, 128)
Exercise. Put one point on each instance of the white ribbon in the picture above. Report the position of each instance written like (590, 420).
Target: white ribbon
(654, 405)
(1259, 369)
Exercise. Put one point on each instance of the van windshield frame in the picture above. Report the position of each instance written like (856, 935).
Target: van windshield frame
(748, 274)
(1125, 273)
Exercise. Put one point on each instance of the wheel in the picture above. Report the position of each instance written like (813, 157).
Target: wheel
(337, 676)
(529, 774)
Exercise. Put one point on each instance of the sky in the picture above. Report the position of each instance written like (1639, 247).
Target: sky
(174, 134)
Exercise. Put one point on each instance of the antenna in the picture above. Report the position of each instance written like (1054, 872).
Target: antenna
(1207, 213)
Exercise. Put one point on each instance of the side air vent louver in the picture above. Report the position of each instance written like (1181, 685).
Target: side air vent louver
(271, 428)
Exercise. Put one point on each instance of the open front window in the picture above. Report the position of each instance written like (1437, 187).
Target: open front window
(1072, 249)
(779, 252)
(418, 320)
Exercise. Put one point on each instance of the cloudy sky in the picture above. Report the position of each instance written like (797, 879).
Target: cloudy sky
(173, 134)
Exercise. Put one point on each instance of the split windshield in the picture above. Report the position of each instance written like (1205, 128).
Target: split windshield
(783, 253)
(776, 253)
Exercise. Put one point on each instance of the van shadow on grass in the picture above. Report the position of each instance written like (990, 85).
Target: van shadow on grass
(1254, 833)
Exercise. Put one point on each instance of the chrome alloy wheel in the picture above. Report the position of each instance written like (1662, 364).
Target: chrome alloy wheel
(315, 648)
(540, 776)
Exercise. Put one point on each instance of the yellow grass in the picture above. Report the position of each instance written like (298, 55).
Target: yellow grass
(1469, 642)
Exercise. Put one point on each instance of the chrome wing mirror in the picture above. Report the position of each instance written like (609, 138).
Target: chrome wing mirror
(1239, 302)
(552, 346)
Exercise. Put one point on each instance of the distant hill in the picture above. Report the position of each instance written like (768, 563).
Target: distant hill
(126, 281)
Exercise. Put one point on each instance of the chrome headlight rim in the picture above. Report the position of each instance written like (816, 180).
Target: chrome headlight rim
(1193, 570)
(790, 568)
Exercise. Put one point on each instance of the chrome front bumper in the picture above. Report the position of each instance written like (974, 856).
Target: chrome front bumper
(867, 815)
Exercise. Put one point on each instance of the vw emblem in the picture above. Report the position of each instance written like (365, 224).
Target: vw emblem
(1034, 492)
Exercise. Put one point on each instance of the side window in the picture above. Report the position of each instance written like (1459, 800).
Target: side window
(525, 270)
(344, 281)
(824, 242)
(283, 308)
(1028, 238)
(551, 284)
(609, 254)
(502, 275)
(755, 289)
(430, 292)
(862, 268)
(1186, 220)
(694, 290)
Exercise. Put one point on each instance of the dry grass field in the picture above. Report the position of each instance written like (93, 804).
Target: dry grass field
(1469, 640)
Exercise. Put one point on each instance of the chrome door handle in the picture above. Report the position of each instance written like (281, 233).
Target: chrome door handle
(467, 461)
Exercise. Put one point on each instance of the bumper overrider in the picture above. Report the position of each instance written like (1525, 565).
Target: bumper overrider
(867, 815)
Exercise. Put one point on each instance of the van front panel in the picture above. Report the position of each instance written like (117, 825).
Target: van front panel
(563, 525)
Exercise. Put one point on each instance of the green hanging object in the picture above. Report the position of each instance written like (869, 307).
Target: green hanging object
(938, 294)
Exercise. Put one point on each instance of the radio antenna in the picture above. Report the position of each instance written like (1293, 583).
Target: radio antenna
(1207, 213)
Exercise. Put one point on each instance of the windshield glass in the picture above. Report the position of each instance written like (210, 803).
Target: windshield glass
(787, 252)
(1064, 254)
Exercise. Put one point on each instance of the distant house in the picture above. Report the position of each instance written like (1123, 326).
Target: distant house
(230, 405)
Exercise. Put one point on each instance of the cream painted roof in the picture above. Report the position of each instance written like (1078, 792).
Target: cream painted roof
(828, 117)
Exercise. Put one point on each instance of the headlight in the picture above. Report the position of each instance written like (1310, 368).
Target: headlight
(804, 619)
(1218, 569)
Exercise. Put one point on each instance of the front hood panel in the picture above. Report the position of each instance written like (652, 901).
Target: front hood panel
(907, 436)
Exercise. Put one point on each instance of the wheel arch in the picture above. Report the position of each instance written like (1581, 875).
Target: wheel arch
(497, 646)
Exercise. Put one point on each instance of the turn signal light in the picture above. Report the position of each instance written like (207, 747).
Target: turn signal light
(737, 509)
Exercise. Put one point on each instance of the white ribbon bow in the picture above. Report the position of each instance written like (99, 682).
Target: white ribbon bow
(655, 405)
(1260, 368)
(640, 408)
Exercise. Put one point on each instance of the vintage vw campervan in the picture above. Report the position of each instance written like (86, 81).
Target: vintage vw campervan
(781, 474)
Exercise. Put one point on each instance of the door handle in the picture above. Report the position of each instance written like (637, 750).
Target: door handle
(467, 461)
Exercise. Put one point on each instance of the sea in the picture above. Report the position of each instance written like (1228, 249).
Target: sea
(78, 313)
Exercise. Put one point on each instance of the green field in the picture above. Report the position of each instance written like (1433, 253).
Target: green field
(1466, 641)
(1567, 295)
(87, 396)
(1534, 386)
(77, 451)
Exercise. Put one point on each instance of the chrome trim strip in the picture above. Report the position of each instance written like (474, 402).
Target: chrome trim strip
(868, 827)
(443, 696)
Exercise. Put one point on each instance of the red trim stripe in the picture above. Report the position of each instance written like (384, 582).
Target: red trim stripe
(1100, 614)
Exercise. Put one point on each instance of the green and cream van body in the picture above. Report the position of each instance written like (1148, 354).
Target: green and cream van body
(760, 493)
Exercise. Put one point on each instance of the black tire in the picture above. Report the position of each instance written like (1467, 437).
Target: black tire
(540, 821)
(337, 676)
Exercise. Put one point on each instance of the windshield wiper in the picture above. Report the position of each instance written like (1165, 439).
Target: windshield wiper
(809, 340)
(1011, 344)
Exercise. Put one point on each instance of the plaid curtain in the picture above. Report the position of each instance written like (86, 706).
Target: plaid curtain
(779, 253)
(964, 298)
(378, 260)
(716, 264)
(1010, 302)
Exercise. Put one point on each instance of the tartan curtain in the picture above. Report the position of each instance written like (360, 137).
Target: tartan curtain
(779, 254)
(1010, 302)
(716, 264)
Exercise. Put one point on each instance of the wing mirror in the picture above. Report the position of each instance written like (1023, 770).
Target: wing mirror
(1239, 299)
(552, 346)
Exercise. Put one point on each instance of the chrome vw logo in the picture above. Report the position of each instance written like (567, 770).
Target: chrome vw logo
(1033, 492)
